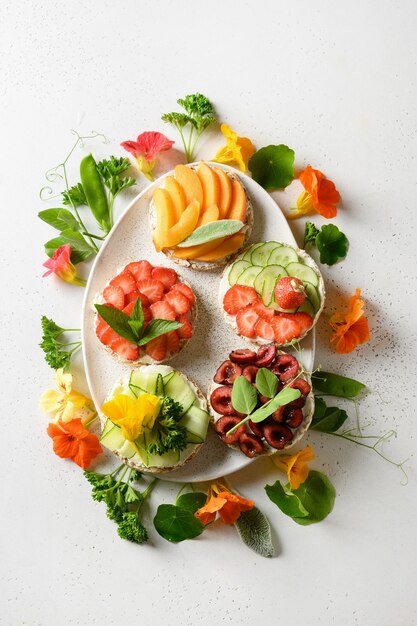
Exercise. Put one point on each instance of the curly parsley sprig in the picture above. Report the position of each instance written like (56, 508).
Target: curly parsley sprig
(167, 434)
(57, 353)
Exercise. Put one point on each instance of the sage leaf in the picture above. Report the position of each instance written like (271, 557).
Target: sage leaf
(176, 524)
(117, 320)
(244, 396)
(212, 230)
(266, 382)
(61, 219)
(283, 397)
(273, 166)
(336, 385)
(191, 501)
(155, 328)
(254, 530)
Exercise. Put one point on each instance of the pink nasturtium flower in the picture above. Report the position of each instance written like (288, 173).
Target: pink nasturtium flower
(146, 148)
(60, 264)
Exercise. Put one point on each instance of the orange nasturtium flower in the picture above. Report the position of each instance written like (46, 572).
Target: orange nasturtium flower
(237, 151)
(320, 195)
(228, 505)
(350, 328)
(73, 441)
(295, 465)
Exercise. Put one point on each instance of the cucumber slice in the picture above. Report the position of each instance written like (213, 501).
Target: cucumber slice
(236, 270)
(164, 460)
(265, 282)
(168, 377)
(303, 272)
(196, 422)
(159, 387)
(282, 256)
(107, 427)
(143, 381)
(113, 438)
(248, 276)
(261, 255)
(250, 251)
(313, 296)
(306, 307)
(178, 389)
(127, 450)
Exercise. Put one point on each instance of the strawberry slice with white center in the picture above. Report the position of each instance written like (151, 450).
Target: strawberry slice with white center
(304, 319)
(264, 329)
(126, 350)
(107, 336)
(263, 311)
(185, 290)
(114, 295)
(167, 276)
(134, 295)
(238, 297)
(186, 330)
(246, 320)
(162, 310)
(157, 348)
(173, 341)
(178, 301)
(140, 270)
(285, 328)
(151, 288)
(125, 280)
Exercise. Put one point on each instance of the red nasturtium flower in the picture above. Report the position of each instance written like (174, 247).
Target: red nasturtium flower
(73, 441)
(228, 505)
(60, 264)
(320, 195)
(146, 148)
(350, 328)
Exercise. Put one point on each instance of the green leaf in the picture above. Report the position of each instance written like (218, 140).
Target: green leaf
(327, 419)
(255, 531)
(137, 319)
(336, 385)
(117, 320)
(286, 500)
(131, 495)
(74, 196)
(176, 524)
(273, 166)
(61, 219)
(332, 244)
(283, 397)
(191, 501)
(266, 382)
(80, 249)
(244, 396)
(155, 328)
(211, 231)
(310, 233)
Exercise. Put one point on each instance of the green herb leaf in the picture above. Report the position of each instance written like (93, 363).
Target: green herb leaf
(117, 320)
(310, 233)
(74, 196)
(286, 500)
(273, 166)
(255, 531)
(176, 524)
(244, 396)
(110, 170)
(332, 244)
(266, 382)
(283, 397)
(155, 328)
(167, 433)
(137, 318)
(211, 231)
(61, 219)
(327, 419)
(191, 501)
(336, 385)
(80, 249)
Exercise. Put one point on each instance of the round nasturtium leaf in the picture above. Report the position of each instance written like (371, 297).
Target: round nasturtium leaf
(273, 166)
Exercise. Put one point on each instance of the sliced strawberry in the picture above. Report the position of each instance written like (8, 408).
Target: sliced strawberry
(263, 311)
(147, 315)
(101, 325)
(304, 319)
(185, 290)
(289, 292)
(178, 301)
(166, 276)
(151, 288)
(173, 341)
(162, 310)
(264, 329)
(134, 295)
(125, 280)
(108, 336)
(126, 350)
(246, 320)
(141, 270)
(186, 330)
(285, 328)
(114, 295)
(238, 297)
(157, 348)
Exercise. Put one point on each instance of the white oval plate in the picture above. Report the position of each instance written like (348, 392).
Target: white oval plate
(130, 240)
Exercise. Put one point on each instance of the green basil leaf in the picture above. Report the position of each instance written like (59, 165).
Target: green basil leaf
(61, 219)
(117, 320)
(283, 397)
(80, 249)
(266, 382)
(191, 501)
(244, 396)
(211, 231)
(273, 166)
(254, 530)
(327, 419)
(176, 524)
(332, 244)
(336, 385)
(317, 495)
(286, 500)
(155, 328)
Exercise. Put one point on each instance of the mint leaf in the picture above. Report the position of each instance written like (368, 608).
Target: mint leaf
(332, 244)
(61, 219)
(118, 321)
(211, 231)
(191, 501)
(155, 328)
(273, 166)
(254, 530)
(283, 397)
(80, 249)
(310, 233)
(244, 396)
(266, 382)
(327, 419)
(137, 318)
(336, 385)
(176, 524)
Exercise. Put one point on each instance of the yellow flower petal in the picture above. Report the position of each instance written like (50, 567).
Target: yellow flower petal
(119, 407)
(132, 414)
(304, 206)
(237, 150)
(295, 466)
(146, 167)
(50, 401)
(67, 412)
(64, 381)
(149, 406)
(78, 399)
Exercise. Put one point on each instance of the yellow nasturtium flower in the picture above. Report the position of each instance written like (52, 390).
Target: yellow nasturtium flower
(295, 466)
(65, 403)
(237, 151)
(132, 414)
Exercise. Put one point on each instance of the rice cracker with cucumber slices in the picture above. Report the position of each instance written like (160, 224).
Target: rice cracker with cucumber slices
(155, 420)
(201, 216)
(272, 292)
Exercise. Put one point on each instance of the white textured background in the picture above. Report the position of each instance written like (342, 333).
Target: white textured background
(337, 82)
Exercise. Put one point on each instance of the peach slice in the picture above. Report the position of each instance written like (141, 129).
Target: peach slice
(190, 183)
(184, 227)
(177, 195)
(211, 214)
(225, 197)
(196, 251)
(165, 216)
(237, 210)
(210, 183)
(229, 246)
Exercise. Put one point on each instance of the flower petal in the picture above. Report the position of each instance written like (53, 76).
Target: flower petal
(50, 401)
